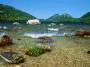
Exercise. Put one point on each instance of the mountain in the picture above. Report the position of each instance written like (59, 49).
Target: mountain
(86, 18)
(62, 18)
(54, 18)
(12, 14)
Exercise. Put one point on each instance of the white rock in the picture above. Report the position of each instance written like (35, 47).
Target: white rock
(33, 21)
(17, 66)
(61, 24)
(16, 23)
(4, 27)
(53, 29)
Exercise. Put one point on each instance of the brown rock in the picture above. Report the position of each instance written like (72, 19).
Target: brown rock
(5, 41)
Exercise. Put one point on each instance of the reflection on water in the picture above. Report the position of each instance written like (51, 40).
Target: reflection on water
(36, 35)
(2, 33)
(40, 30)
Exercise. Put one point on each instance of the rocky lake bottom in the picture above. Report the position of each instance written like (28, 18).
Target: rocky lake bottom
(66, 51)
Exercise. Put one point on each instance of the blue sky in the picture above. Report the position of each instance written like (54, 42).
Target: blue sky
(46, 8)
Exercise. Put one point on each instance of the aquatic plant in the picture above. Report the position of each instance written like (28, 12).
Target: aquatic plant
(34, 51)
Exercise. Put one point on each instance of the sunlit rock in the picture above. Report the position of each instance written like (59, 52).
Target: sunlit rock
(33, 21)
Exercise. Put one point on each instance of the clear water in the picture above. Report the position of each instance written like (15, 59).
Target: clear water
(2, 61)
(36, 31)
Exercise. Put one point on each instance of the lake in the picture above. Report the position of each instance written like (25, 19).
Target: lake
(45, 29)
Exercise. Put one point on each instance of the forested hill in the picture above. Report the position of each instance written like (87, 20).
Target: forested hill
(63, 18)
(86, 18)
(12, 14)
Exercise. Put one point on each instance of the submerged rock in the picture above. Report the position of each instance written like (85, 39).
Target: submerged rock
(88, 52)
(46, 48)
(45, 39)
(82, 33)
(12, 57)
(5, 41)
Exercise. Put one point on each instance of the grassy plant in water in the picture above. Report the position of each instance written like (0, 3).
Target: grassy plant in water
(35, 51)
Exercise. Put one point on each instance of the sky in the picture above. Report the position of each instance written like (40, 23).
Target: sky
(45, 8)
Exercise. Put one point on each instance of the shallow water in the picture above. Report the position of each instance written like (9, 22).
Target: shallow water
(36, 31)
(2, 61)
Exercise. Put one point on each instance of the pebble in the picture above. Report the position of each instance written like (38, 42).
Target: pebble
(17, 66)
